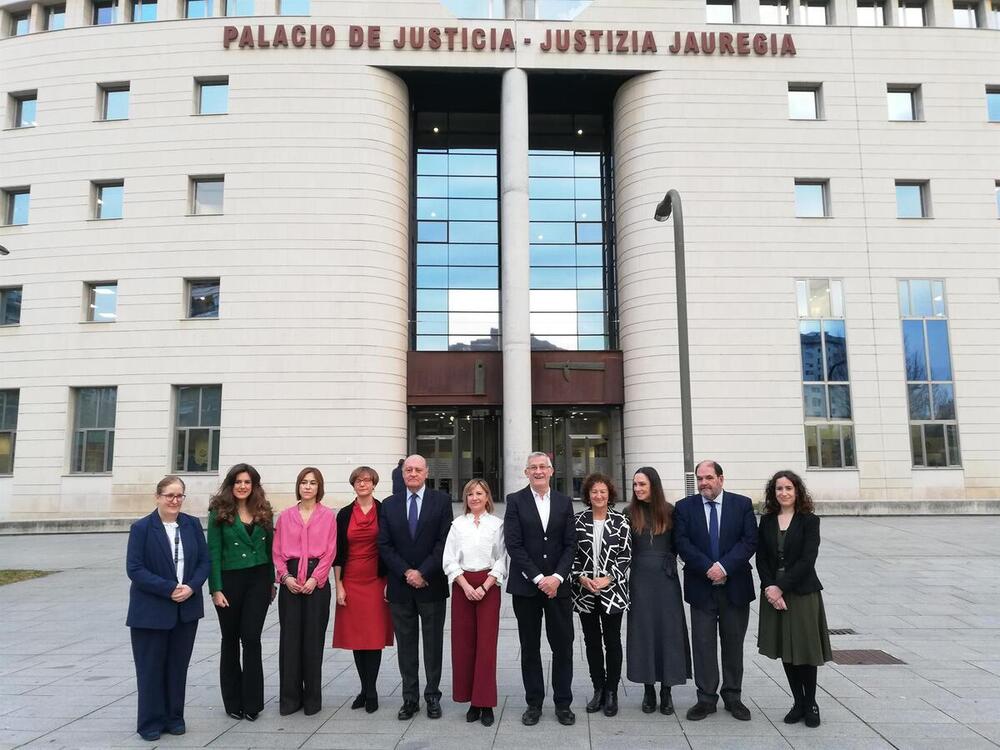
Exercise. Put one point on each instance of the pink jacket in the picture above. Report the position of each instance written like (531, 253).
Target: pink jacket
(293, 538)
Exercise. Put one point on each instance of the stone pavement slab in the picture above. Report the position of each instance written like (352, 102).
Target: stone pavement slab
(922, 589)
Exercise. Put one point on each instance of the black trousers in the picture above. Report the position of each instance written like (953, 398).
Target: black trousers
(558, 614)
(248, 592)
(161, 665)
(304, 618)
(724, 623)
(602, 640)
(368, 663)
(410, 620)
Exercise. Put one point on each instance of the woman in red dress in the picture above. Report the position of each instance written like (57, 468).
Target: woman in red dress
(362, 622)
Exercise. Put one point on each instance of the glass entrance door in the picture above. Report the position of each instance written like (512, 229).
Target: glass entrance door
(459, 445)
(580, 442)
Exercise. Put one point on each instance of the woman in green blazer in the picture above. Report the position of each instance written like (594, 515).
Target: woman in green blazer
(240, 533)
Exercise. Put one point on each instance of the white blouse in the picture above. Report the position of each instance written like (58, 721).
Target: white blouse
(471, 547)
(598, 544)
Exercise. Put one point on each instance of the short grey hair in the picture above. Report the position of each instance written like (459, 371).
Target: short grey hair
(538, 454)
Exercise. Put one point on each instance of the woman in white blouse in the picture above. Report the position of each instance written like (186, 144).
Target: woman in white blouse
(475, 561)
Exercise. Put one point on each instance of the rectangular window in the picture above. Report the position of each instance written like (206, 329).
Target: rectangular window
(198, 8)
(212, 95)
(20, 23)
(198, 420)
(239, 7)
(109, 199)
(826, 392)
(912, 200)
(965, 14)
(930, 383)
(16, 202)
(94, 430)
(996, 196)
(207, 195)
(774, 12)
(293, 7)
(202, 298)
(55, 17)
(143, 10)
(102, 302)
(814, 12)
(10, 306)
(25, 108)
(812, 198)
(912, 13)
(904, 102)
(114, 101)
(8, 429)
(804, 101)
(104, 12)
(720, 11)
(871, 12)
(993, 103)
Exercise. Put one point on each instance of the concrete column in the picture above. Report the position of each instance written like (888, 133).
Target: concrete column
(516, 265)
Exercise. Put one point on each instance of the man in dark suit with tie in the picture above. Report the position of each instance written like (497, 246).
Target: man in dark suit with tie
(413, 527)
(716, 535)
(540, 535)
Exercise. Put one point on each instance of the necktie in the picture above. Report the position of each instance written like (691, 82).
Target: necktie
(412, 516)
(713, 529)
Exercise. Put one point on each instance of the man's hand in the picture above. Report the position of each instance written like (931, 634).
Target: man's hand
(415, 579)
(549, 585)
(181, 593)
(716, 574)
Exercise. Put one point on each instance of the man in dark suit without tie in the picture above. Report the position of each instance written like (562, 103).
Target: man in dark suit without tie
(716, 535)
(540, 535)
(413, 527)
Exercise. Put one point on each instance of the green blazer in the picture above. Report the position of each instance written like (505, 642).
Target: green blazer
(232, 549)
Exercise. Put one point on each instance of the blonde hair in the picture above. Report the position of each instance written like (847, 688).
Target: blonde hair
(469, 487)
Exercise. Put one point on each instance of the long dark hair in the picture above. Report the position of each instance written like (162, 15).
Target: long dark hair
(803, 500)
(657, 514)
(224, 504)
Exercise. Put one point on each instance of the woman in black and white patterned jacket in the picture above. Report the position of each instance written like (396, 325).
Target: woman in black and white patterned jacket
(600, 587)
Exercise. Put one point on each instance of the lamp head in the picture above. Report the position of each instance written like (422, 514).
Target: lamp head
(4, 251)
(663, 209)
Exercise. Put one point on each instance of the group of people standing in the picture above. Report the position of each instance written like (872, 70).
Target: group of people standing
(391, 566)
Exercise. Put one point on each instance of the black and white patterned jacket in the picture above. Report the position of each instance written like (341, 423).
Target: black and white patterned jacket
(616, 555)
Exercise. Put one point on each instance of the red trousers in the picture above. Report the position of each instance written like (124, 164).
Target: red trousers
(474, 630)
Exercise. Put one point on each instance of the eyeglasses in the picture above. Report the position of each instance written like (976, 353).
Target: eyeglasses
(365, 480)
(172, 498)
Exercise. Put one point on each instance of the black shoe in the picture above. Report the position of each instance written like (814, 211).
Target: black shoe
(566, 716)
(359, 702)
(177, 730)
(597, 702)
(473, 714)
(531, 716)
(486, 718)
(234, 714)
(150, 736)
(738, 710)
(371, 704)
(312, 710)
(611, 703)
(812, 716)
(250, 715)
(795, 715)
(649, 700)
(408, 710)
(666, 701)
(700, 710)
(433, 708)
(284, 711)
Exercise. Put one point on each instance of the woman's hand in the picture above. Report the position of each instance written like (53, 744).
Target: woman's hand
(341, 596)
(473, 595)
(182, 593)
(601, 583)
(780, 604)
(293, 585)
(588, 584)
(309, 586)
(773, 594)
(219, 600)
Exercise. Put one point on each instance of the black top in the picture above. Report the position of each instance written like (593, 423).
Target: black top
(798, 554)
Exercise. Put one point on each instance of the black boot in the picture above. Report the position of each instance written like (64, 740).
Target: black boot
(666, 701)
(610, 702)
(597, 702)
(649, 699)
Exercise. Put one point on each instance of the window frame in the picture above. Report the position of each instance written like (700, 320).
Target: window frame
(878, 10)
(10, 196)
(824, 185)
(209, 5)
(104, 90)
(80, 434)
(136, 7)
(9, 429)
(778, 5)
(902, 6)
(90, 301)
(189, 297)
(18, 100)
(53, 10)
(97, 5)
(733, 6)
(993, 103)
(925, 198)
(195, 182)
(914, 92)
(816, 89)
(200, 82)
(971, 10)
(5, 294)
(182, 434)
(15, 19)
(805, 6)
(97, 190)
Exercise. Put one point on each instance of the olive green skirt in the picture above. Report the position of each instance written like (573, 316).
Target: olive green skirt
(797, 635)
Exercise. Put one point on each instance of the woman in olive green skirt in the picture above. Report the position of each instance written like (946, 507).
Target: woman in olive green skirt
(792, 619)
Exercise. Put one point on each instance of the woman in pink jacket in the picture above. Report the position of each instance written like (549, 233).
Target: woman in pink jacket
(305, 540)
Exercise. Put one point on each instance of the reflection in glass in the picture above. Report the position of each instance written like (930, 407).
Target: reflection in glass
(937, 349)
(835, 337)
(909, 201)
(203, 298)
(944, 400)
(934, 445)
(829, 445)
(553, 255)
(840, 402)
(919, 400)
(901, 105)
(109, 201)
(917, 444)
(720, 11)
(472, 231)
(102, 305)
(293, 7)
(551, 210)
(810, 201)
(774, 12)
(208, 196)
(472, 277)
(802, 104)
(116, 104)
(213, 97)
(814, 398)
(954, 452)
(913, 350)
(810, 342)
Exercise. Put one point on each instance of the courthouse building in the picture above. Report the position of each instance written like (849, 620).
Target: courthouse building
(333, 232)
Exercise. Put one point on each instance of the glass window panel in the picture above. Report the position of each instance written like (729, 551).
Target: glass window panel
(432, 163)
(814, 14)
(432, 187)
(831, 455)
(472, 277)
(107, 398)
(474, 300)
(432, 277)
(564, 343)
(993, 105)
(937, 298)
(239, 7)
(294, 7)
(588, 210)
(551, 187)
(590, 278)
(934, 445)
(588, 165)
(909, 201)
(472, 255)
(837, 299)
(18, 210)
(432, 343)
(802, 298)
(840, 402)
(27, 112)
(847, 435)
(472, 164)
(95, 445)
(919, 400)
(871, 13)
(954, 450)
(476, 323)
(812, 446)
(552, 300)
(835, 336)
(551, 210)
(188, 408)
(214, 97)
(590, 324)
(553, 255)
(211, 405)
(473, 342)
(432, 208)
(109, 201)
(105, 12)
(590, 300)
(116, 104)
(937, 344)
(944, 400)
(199, 8)
(592, 343)
(589, 232)
(814, 397)
(55, 17)
(802, 104)
(10, 306)
(809, 201)
(432, 255)
(904, 298)
(553, 232)
(589, 255)
(204, 302)
(917, 444)
(473, 231)
(553, 278)
(920, 298)
(472, 210)
(86, 407)
(819, 298)
(911, 13)
(811, 346)
(432, 231)
(550, 165)
(901, 105)
(472, 187)
(587, 187)
(144, 10)
(432, 323)
(913, 349)
(103, 304)
(199, 450)
(720, 11)
(560, 324)
(774, 12)
(208, 196)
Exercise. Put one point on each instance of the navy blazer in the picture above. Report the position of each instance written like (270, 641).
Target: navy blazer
(534, 550)
(400, 551)
(149, 563)
(737, 544)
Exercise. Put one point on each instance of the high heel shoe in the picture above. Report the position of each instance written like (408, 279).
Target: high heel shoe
(649, 699)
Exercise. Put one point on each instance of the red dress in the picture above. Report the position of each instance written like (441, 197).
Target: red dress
(364, 622)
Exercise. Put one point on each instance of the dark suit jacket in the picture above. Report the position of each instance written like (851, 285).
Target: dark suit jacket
(400, 552)
(343, 521)
(737, 544)
(534, 550)
(615, 560)
(800, 551)
(149, 563)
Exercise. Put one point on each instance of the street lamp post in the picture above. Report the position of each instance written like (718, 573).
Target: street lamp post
(671, 203)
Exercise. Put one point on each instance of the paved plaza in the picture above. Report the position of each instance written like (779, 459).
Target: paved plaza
(922, 589)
